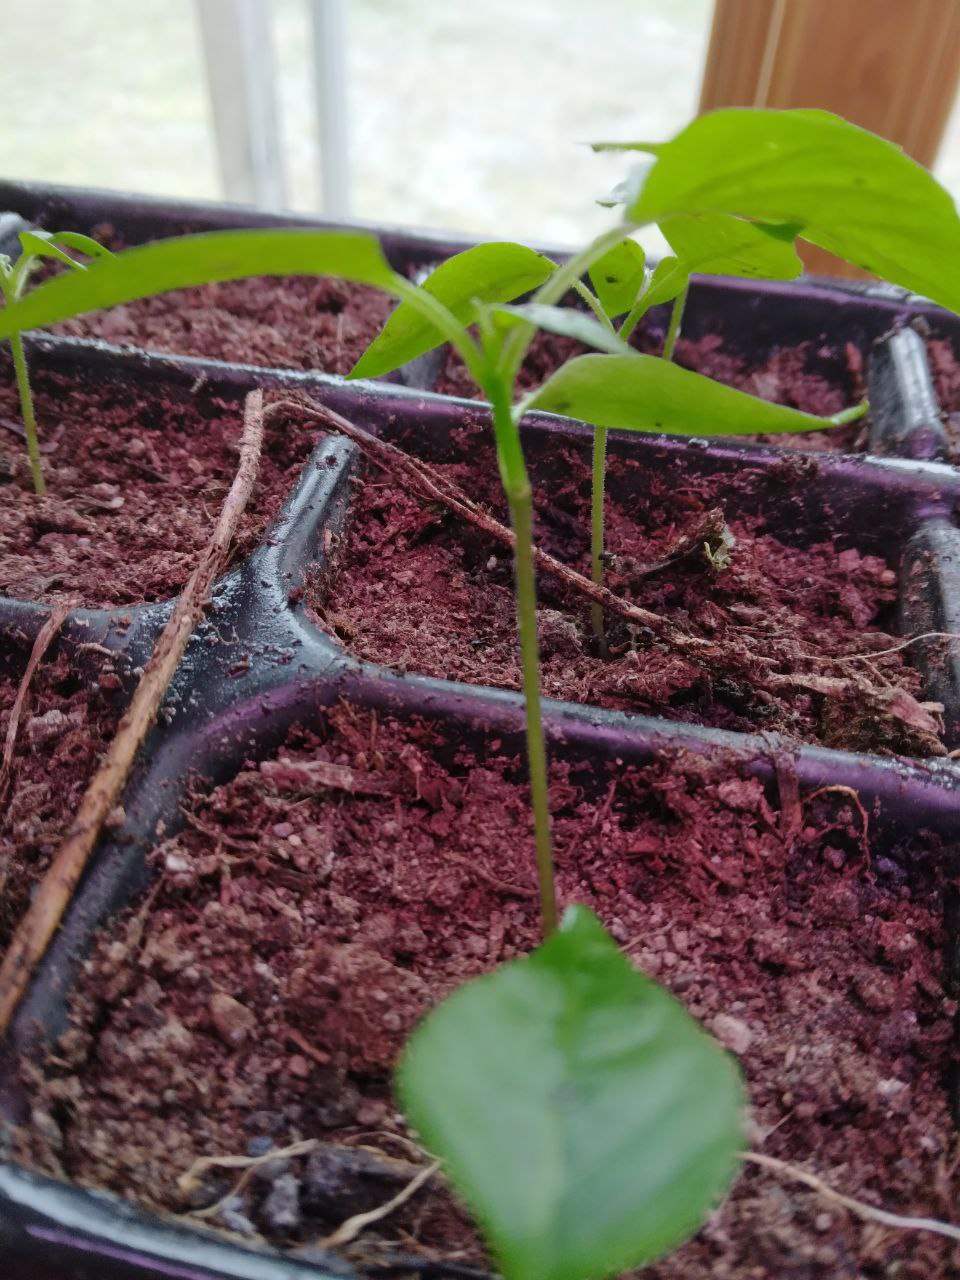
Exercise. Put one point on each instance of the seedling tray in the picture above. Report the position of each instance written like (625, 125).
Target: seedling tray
(258, 665)
(823, 316)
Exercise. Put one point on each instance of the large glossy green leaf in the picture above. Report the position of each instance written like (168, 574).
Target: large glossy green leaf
(716, 244)
(617, 277)
(200, 259)
(643, 393)
(585, 1118)
(848, 191)
(567, 323)
(496, 272)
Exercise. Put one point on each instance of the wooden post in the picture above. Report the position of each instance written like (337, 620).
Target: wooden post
(888, 65)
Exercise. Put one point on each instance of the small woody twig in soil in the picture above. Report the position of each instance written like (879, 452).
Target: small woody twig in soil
(45, 638)
(37, 927)
(858, 1207)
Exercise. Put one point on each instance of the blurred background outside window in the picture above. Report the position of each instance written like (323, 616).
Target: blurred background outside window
(461, 115)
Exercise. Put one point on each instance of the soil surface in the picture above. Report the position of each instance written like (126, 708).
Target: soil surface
(135, 478)
(796, 376)
(314, 908)
(420, 592)
(294, 322)
(65, 725)
(945, 371)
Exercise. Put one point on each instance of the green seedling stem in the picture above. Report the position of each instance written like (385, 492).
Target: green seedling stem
(516, 483)
(552, 291)
(676, 319)
(633, 318)
(506, 420)
(12, 279)
(22, 375)
(597, 504)
(598, 483)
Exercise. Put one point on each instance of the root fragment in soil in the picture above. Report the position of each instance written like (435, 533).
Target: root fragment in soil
(45, 637)
(53, 895)
(67, 718)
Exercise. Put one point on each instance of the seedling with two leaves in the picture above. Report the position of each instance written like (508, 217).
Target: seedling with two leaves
(582, 1114)
(36, 245)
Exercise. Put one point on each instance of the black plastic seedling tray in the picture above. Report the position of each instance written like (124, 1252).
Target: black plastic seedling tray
(824, 315)
(258, 665)
(138, 219)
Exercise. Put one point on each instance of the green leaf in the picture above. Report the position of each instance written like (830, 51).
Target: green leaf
(568, 324)
(40, 244)
(183, 261)
(644, 393)
(669, 279)
(846, 189)
(718, 245)
(617, 277)
(84, 244)
(583, 1115)
(496, 272)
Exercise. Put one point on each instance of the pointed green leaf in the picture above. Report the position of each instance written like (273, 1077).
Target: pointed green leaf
(40, 244)
(618, 277)
(716, 244)
(643, 393)
(583, 1115)
(568, 324)
(183, 261)
(670, 277)
(84, 244)
(848, 190)
(497, 272)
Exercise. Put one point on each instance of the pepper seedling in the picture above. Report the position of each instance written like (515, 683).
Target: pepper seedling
(710, 244)
(582, 1114)
(14, 275)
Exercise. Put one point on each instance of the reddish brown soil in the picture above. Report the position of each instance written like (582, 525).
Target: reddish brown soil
(946, 382)
(299, 322)
(787, 377)
(66, 724)
(945, 372)
(135, 478)
(424, 594)
(298, 934)
(294, 322)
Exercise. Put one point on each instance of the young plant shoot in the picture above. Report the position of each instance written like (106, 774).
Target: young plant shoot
(713, 244)
(582, 1114)
(14, 275)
